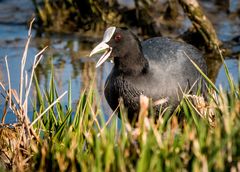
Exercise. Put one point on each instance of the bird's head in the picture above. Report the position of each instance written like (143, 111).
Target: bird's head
(116, 43)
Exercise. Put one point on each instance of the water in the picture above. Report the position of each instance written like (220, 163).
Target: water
(69, 54)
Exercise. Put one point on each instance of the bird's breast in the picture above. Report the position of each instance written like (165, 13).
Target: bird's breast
(120, 86)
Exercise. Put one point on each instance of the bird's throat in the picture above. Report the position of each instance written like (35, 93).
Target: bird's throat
(131, 64)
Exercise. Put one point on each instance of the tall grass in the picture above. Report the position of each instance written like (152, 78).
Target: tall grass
(67, 139)
(84, 144)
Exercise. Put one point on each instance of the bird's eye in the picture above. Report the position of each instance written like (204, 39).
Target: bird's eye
(118, 37)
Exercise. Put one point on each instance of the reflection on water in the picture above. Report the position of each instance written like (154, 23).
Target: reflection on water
(232, 65)
(69, 55)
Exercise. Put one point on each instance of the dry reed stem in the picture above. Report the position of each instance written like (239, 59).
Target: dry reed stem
(23, 62)
(108, 121)
(35, 63)
(9, 82)
(94, 115)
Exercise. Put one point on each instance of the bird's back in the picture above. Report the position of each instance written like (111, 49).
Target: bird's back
(167, 52)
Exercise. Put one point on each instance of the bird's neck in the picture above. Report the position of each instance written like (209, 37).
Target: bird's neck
(133, 63)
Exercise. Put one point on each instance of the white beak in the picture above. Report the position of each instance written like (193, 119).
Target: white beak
(104, 47)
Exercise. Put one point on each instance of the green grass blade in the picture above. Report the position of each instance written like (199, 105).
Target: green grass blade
(230, 80)
(70, 95)
(62, 127)
(203, 74)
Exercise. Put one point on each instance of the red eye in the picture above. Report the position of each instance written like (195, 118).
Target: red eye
(118, 37)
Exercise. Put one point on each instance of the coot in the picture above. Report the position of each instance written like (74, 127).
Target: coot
(157, 68)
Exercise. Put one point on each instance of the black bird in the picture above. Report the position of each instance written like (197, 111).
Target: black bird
(157, 68)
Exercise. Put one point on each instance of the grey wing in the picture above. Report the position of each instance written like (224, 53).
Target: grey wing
(167, 51)
(169, 60)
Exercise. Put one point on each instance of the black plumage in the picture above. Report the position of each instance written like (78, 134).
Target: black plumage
(156, 68)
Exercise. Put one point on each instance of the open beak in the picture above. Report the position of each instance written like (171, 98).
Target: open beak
(104, 47)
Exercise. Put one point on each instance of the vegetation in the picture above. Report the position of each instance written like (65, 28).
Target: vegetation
(148, 16)
(67, 16)
(60, 138)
